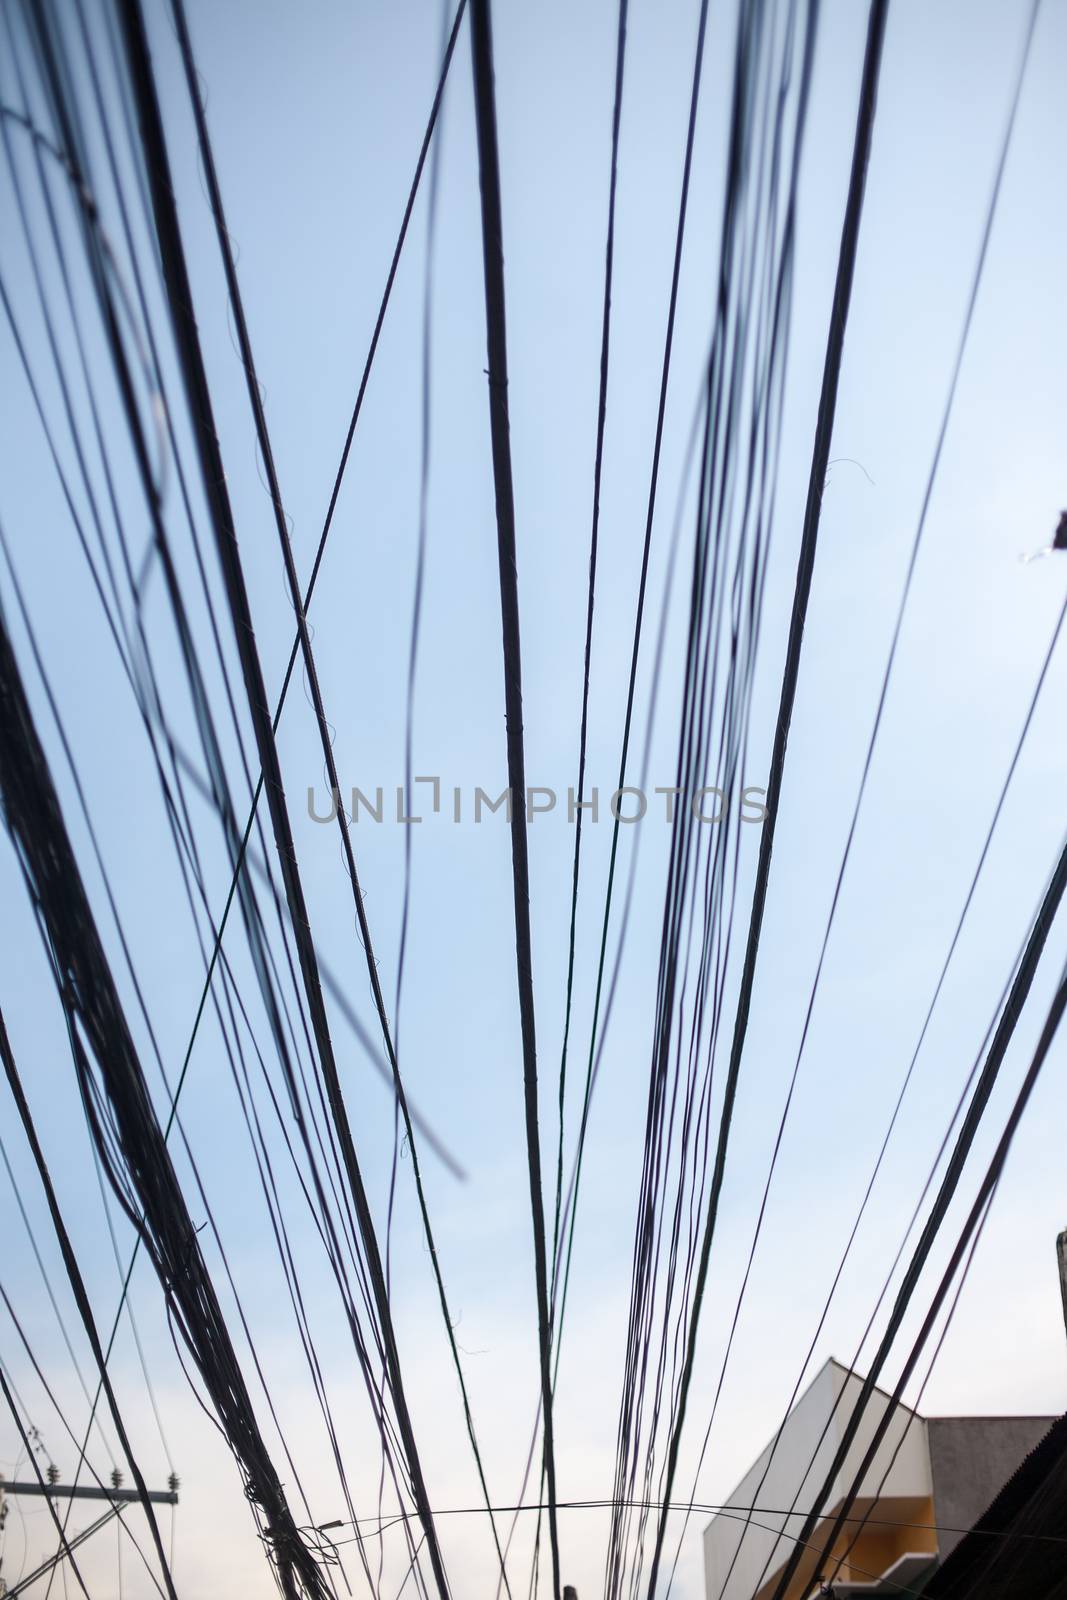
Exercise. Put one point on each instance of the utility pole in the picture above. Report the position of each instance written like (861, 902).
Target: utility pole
(117, 1497)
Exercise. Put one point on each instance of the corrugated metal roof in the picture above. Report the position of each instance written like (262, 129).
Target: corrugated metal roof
(1017, 1550)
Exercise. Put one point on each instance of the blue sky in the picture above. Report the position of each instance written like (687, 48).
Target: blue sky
(317, 114)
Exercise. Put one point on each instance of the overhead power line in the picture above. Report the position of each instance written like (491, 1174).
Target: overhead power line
(496, 342)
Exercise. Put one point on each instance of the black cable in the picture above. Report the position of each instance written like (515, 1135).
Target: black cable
(815, 490)
(218, 778)
(891, 1272)
(309, 1349)
(335, 493)
(805, 568)
(731, 1514)
(744, 389)
(263, 437)
(125, 1128)
(706, 1508)
(598, 465)
(496, 342)
(913, 1411)
(972, 888)
(559, 1221)
(90, 212)
(974, 1219)
(201, 410)
(1017, 996)
(237, 880)
(838, 322)
(635, 1372)
(668, 346)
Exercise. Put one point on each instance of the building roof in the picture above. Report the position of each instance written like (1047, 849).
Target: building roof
(1018, 1547)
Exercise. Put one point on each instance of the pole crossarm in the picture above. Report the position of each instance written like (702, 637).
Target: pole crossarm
(88, 1491)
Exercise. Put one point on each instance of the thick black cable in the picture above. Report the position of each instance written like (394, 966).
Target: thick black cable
(739, 460)
(805, 569)
(89, 209)
(237, 878)
(148, 1023)
(496, 343)
(80, 189)
(942, 434)
(195, 379)
(845, 273)
(954, 379)
(559, 1220)
(123, 1120)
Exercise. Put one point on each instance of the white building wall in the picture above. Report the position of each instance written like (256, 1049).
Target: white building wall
(796, 1471)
